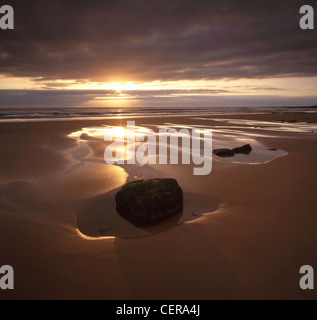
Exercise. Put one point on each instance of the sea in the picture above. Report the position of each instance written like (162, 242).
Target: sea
(80, 113)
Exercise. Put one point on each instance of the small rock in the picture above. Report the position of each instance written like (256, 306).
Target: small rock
(246, 149)
(223, 153)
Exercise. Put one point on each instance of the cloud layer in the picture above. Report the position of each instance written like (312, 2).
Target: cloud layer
(147, 40)
(144, 98)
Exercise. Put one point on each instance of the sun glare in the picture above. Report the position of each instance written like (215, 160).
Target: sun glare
(119, 93)
(118, 131)
(121, 88)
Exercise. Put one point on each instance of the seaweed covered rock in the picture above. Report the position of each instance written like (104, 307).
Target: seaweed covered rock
(148, 202)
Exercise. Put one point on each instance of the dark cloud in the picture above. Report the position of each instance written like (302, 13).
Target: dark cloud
(69, 98)
(146, 40)
(159, 98)
(237, 95)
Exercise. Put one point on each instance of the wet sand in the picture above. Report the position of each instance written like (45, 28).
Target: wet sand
(259, 227)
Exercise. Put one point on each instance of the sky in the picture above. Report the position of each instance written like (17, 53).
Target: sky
(68, 53)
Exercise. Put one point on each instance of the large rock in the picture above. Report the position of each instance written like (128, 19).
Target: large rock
(148, 202)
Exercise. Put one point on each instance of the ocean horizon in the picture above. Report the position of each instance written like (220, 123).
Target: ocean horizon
(28, 114)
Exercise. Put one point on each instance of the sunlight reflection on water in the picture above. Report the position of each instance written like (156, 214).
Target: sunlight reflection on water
(224, 136)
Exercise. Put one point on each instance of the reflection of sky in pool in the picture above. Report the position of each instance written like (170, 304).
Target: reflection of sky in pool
(224, 136)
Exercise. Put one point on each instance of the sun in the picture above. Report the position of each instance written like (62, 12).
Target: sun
(121, 88)
(119, 92)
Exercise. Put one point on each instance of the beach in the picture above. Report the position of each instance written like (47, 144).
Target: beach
(247, 228)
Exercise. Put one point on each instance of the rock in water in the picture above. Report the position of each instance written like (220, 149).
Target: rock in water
(223, 153)
(245, 149)
(148, 202)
